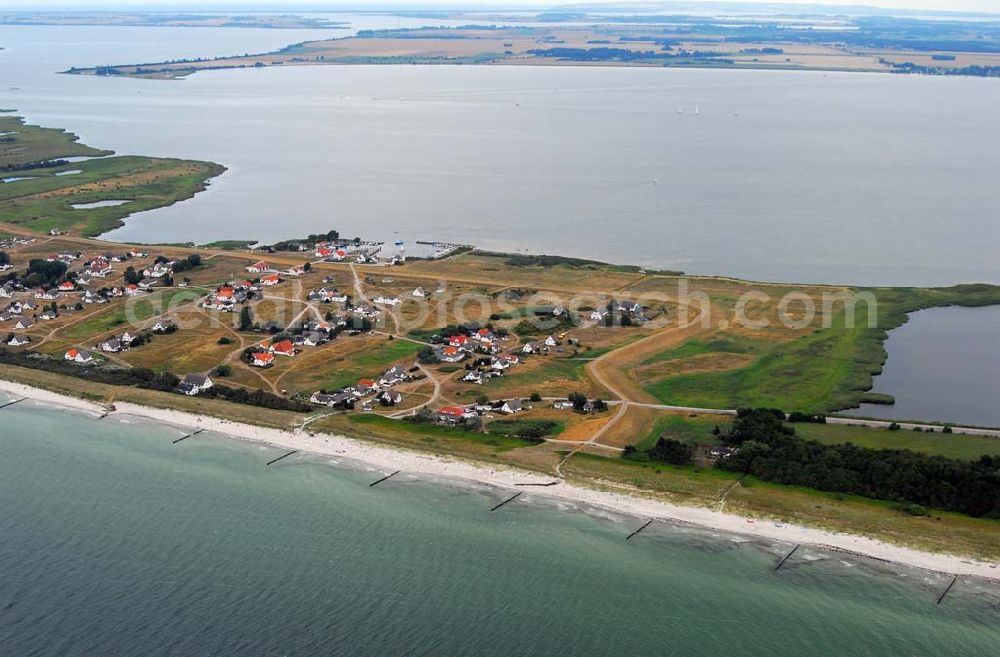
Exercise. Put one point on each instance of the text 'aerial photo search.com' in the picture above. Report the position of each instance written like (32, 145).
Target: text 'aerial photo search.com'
(499, 328)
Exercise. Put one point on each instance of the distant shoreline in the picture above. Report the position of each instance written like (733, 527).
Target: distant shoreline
(388, 460)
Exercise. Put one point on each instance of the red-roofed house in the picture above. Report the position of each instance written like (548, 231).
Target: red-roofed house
(284, 347)
(259, 267)
(262, 359)
(452, 412)
(270, 279)
(458, 340)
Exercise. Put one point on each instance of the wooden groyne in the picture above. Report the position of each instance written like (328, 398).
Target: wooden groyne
(509, 499)
(11, 403)
(644, 525)
(941, 599)
(547, 483)
(283, 456)
(787, 556)
(379, 481)
(195, 433)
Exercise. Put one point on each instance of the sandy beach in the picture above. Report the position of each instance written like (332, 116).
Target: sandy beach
(388, 460)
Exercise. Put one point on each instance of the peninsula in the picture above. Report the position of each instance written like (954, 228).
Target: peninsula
(602, 376)
(948, 46)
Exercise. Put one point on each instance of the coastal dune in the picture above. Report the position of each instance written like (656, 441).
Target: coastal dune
(386, 460)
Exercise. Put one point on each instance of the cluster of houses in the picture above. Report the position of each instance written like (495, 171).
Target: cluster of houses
(360, 252)
(311, 334)
(460, 414)
(333, 295)
(484, 346)
(366, 391)
(225, 298)
(14, 313)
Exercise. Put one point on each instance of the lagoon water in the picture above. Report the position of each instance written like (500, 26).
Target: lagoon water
(943, 365)
(792, 176)
(115, 542)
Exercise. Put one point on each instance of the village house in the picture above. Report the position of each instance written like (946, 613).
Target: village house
(269, 280)
(473, 376)
(386, 301)
(132, 290)
(504, 361)
(260, 267)
(365, 387)
(419, 292)
(262, 359)
(67, 286)
(48, 315)
(24, 323)
(313, 338)
(163, 326)
(112, 345)
(47, 295)
(99, 267)
(283, 347)
(78, 355)
(192, 384)
(449, 354)
(551, 341)
(459, 340)
(343, 399)
(390, 398)
(93, 297)
(392, 376)
(158, 270)
(512, 406)
(454, 414)
(18, 340)
(533, 348)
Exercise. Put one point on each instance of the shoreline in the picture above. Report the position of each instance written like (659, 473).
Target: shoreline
(388, 459)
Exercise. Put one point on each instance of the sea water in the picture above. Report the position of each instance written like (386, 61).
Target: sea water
(114, 541)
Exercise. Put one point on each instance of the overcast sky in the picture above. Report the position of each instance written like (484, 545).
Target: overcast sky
(951, 5)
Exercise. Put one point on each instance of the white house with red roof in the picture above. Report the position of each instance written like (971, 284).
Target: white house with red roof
(260, 267)
(262, 359)
(270, 279)
(284, 347)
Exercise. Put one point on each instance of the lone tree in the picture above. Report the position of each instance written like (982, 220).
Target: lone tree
(246, 319)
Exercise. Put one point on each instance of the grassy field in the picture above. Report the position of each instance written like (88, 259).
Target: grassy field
(30, 143)
(825, 370)
(43, 200)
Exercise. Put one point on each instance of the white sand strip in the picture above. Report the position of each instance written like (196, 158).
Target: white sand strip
(410, 462)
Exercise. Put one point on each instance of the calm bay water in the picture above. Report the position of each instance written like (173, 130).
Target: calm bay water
(115, 542)
(943, 365)
(813, 177)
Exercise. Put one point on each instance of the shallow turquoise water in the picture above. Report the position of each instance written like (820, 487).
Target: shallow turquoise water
(115, 542)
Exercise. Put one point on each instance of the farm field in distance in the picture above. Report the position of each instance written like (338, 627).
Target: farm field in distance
(883, 44)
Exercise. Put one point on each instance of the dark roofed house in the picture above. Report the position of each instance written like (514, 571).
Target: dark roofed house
(196, 383)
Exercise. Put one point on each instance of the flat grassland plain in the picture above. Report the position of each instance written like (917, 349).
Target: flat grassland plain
(711, 360)
(944, 47)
